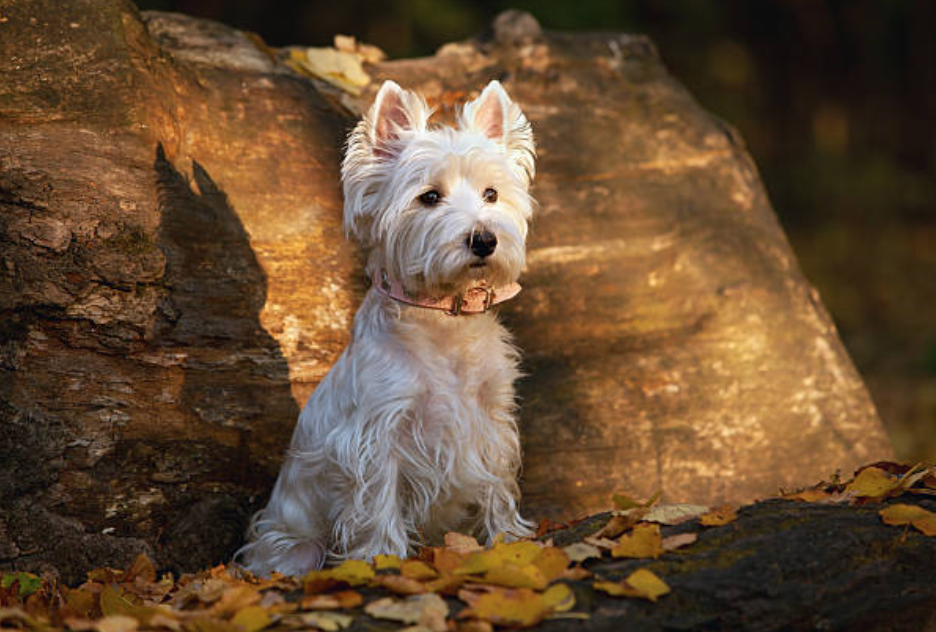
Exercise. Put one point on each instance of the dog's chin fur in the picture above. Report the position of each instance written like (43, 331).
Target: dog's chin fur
(412, 433)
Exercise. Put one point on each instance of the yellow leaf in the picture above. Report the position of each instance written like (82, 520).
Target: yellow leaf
(508, 607)
(626, 502)
(923, 520)
(718, 517)
(516, 576)
(386, 562)
(559, 598)
(414, 569)
(348, 573)
(479, 562)
(643, 541)
(252, 618)
(552, 562)
(872, 482)
(641, 583)
(522, 552)
(808, 495)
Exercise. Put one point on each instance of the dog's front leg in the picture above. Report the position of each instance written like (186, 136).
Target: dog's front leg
(376, 520)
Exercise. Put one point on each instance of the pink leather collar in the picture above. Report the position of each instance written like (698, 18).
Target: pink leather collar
(476, 300)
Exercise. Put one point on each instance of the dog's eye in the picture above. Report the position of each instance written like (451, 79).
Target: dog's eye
(490, 195)
(430, 198)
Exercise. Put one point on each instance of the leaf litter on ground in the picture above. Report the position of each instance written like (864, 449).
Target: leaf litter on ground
(508, 584)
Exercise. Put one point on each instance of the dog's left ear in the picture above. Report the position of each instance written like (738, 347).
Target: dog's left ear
(500, 119)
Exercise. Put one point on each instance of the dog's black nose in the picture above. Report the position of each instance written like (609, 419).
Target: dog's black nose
(481, 243)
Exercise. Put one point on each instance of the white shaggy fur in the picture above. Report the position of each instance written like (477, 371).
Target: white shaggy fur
(412, 434)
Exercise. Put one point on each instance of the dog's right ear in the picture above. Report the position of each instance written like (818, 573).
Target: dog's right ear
(395, 111)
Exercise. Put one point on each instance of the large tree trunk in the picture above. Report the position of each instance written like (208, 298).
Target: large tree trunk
(175, 281)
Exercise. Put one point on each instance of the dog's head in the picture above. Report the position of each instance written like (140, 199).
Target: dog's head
(440, 208)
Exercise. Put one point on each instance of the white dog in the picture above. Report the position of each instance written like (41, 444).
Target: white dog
(412, 434)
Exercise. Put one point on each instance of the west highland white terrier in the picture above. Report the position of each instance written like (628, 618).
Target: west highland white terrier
(412, 433)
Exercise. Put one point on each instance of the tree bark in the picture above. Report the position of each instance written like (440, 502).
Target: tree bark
(175, 282)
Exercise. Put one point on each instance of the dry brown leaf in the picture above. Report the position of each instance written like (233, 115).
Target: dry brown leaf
(580, 551)
(327, 621)
(674, 514)
(338, 68)
(461, 543)
(427, 610)
(332, 601)
(678, 541)
(399, 584)
(234, 599)
(719, 516)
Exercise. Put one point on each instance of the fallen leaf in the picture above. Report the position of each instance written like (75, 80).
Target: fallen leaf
(622, 501)
(350, 573)
(643, 541)
(26, 583)
(115, 603)
(428, 610)
(474, 625)
(327, 621)
(923, 520)
(551, 561)
(461, 543)
(235, 599)
(399, 584)
(386, 562)
(718, 517)
(516, 576)
(580, 551)
(600, 543)
(559, 598)
(338, 68)
(674, 514)
(210, 624)
(872, 482)
(142, 568)
(678, 541)
(808, 495)
(252, 619)
(334, 600)
(619, 523)
(641, 583)
(414, 569)
(506, 606)
(117, 623)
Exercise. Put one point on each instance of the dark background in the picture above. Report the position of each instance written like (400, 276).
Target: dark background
(836, 100)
